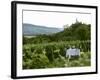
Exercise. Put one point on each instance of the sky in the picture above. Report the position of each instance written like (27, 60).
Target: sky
(54, 19)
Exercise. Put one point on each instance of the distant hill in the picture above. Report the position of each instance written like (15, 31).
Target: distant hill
(76, 31)
(30, 29)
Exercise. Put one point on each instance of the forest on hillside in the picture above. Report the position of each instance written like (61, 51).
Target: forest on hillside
(77, 31)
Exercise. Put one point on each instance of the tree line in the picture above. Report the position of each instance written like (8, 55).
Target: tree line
(76, 31)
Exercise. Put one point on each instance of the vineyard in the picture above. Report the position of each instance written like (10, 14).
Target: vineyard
(49, 51)
(53, 54)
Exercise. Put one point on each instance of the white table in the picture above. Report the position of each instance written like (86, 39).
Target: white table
(72, 52)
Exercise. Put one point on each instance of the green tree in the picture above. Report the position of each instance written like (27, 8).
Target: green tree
(82, 33)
